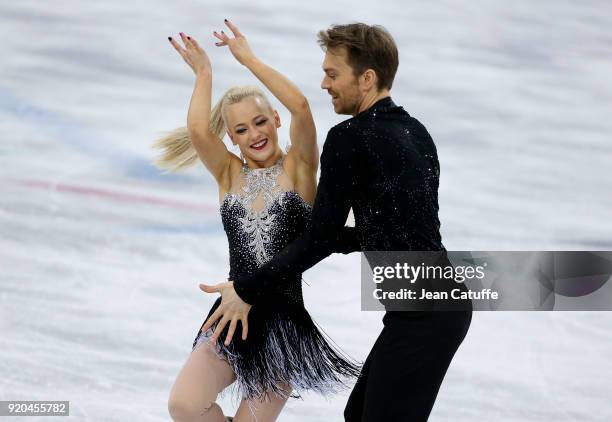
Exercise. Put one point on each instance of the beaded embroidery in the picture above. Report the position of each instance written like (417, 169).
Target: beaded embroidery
(258, 224)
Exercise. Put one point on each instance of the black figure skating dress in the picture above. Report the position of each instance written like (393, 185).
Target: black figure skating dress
(284, 346)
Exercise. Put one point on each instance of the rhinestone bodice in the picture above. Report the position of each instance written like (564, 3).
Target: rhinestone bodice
(261, 217)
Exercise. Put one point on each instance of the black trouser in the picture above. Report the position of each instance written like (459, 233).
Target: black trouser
(402, 374)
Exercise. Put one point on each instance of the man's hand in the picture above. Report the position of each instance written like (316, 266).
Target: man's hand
(232, 309)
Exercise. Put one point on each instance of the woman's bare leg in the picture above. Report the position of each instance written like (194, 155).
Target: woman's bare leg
(197, 385)
(266, 410)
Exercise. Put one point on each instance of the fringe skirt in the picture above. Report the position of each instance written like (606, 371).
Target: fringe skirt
(283, 347)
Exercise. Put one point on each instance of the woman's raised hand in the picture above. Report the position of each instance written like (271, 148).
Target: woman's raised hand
(192, 53)
(237, 45)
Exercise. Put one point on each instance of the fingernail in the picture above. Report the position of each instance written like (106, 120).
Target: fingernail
(169, 38)
(188, 38)
(225, 20)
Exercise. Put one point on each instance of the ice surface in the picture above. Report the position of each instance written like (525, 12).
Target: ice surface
(101, 255)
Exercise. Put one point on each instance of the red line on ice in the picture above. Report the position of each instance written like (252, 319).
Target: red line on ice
(121, 196)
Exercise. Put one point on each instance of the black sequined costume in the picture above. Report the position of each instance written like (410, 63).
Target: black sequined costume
(383, 164)
(284, 346)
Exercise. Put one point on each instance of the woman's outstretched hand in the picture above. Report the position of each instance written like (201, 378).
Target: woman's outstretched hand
(238, 45)
(192, 53)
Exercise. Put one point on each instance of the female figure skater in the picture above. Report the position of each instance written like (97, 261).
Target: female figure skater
(266, 198)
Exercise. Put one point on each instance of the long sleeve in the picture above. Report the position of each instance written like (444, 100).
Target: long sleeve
(347, 242)
(326, 233)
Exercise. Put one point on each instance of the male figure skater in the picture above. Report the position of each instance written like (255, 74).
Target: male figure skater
(383, 163)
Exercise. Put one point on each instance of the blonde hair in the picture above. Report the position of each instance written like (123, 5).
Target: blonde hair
(177, 149)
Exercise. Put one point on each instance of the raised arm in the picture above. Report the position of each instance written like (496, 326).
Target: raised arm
(302, 130)
(207, 143)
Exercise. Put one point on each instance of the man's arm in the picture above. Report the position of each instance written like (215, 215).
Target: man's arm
(326, 233)
(348, 241)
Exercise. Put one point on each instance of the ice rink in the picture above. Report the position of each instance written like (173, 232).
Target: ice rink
(101, 255)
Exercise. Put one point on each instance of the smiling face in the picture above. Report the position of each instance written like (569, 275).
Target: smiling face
(252, 125)
(340, 82)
